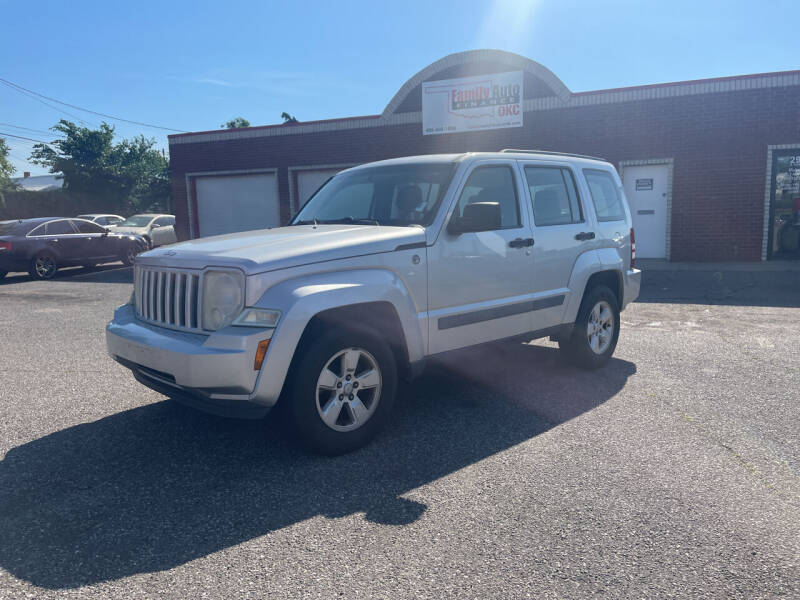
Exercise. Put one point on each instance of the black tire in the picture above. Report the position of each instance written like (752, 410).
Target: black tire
(578, 349)
(305, 404)
(43, 266)
(129, 256)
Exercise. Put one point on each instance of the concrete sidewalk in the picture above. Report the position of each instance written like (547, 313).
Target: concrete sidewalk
(769, 283)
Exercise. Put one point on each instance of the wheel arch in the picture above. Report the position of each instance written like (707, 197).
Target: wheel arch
(375, 298)
(594, 267)
(379, 317)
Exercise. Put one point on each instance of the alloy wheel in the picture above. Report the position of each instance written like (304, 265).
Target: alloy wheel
(348, 389)
(45, 266)
(600, 328)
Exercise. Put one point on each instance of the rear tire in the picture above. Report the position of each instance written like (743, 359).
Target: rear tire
(342, 390)
(596, 330)
(43, 266)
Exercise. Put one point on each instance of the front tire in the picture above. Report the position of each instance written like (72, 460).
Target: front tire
(129, 256)
(342, 390)
(43, 266)
(596, 330)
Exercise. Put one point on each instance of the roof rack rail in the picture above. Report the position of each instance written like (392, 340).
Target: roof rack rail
(551, 152)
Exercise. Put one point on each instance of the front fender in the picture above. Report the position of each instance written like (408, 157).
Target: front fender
(300, 299)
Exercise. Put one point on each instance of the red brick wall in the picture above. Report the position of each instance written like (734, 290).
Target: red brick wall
(718, 143)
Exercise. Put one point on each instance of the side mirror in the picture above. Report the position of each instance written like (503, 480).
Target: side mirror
(478, 216)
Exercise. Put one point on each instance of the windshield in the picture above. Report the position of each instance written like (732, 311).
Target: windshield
(407, 194)
(136, 221)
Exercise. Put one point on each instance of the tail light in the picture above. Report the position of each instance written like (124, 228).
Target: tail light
(633, 249)
(5, 246)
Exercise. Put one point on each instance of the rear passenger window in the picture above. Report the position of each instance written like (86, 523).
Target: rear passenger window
(554, 196)
(605, 195)
(493, 184)
(58, 228)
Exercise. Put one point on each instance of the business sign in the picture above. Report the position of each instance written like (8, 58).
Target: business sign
(472, 103)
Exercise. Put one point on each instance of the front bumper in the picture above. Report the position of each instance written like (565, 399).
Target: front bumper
(210, 372)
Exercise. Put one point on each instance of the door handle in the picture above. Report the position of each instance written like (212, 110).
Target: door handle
(584, 235)
(520, 243)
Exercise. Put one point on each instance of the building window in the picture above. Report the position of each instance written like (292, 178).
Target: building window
(785, 204)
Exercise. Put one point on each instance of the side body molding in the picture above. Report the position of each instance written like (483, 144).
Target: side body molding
(301, 298)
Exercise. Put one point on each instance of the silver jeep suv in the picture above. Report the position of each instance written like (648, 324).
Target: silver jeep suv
(387, 264)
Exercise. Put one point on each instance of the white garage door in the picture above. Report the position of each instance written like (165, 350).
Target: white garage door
(646, 189)
(310, 181)
(231, 203)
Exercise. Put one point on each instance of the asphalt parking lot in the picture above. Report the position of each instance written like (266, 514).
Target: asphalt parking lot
(673, 472)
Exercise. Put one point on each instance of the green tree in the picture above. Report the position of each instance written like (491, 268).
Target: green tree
(236, 123)
(6, 170)
(287, 118)
(128, 175)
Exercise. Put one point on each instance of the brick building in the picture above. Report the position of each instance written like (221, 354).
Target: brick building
(711, 167)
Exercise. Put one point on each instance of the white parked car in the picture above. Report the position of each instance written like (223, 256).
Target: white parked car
(103, 219)
(389, 263)
(157, 230)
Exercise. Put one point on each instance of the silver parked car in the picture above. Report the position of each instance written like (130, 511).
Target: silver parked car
(389, 263)
(156, 229)
(102, 219)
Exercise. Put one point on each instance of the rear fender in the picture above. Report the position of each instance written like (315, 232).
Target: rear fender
(589, 263)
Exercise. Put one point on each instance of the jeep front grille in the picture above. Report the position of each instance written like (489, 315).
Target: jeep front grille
(168, 297)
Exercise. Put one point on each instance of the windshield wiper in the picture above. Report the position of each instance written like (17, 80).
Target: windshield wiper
(306, 222)
(353, 220)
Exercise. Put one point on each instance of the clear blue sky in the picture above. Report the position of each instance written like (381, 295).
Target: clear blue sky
(191, 65)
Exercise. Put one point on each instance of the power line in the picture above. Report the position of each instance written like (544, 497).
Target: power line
(31, 129)
(47, 104)
(19, 137)
(23, 89)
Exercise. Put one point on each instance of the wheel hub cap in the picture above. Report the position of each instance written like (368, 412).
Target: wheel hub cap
(348, 389)
(600, 328)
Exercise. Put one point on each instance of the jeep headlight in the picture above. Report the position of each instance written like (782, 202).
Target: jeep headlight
(223, 298)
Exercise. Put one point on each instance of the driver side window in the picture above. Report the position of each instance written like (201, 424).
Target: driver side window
(493, 184)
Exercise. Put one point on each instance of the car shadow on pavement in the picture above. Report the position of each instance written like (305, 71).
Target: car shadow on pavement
(110, 273)
(157, 486)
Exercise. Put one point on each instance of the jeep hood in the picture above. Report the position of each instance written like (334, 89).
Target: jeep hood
(272, 249)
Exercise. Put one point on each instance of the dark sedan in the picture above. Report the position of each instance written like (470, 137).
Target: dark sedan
(42, 246)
